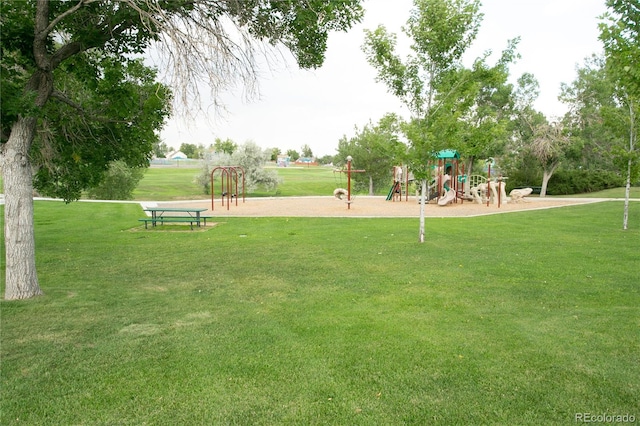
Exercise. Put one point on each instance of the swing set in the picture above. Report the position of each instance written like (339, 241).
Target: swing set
(229, 175)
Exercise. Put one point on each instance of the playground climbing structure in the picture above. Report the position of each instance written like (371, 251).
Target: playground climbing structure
(400, 184)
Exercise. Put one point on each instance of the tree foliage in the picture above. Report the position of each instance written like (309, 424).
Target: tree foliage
(293, 154)
(118, 182)
(191, 150)
(448, 103)
(593, 115)
(306, 151)
(548, 146)
(252, 158)
(476, 106)
(227, 146)
(376, 149)
(620, 34)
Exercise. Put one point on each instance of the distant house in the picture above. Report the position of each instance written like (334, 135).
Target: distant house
(283, 160)
(307, 161)
(176, 155)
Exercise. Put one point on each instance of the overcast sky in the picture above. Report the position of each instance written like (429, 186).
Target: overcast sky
(318, 107)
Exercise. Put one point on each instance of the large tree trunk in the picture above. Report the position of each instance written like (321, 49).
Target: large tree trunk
(19, 235)
(546, 176)
(21, 276)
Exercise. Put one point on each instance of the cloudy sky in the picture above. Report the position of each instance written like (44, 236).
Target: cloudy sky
(318, 107)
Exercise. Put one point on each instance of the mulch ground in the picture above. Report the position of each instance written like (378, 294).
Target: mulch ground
(365, 206)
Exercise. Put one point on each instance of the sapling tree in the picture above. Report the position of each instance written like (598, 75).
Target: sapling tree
(441, 31)
(620, 34)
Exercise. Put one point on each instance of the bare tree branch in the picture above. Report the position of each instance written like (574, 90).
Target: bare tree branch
(205, 46)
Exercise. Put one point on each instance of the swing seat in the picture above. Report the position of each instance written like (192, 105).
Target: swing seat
(339, 193)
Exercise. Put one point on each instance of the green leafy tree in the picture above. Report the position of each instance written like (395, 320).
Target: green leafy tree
(326, 159)
(441, 31)
(376, 149)
(306, 151)
(160, 149)
(476, 106)
(191, 150)
(227, 146)
(518, 161)
(74, 94)
(293, 154)
(598, 127)
(620, 35)
(274, 154)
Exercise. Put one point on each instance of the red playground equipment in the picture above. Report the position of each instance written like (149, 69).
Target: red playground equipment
(230, 176)
(349, 170)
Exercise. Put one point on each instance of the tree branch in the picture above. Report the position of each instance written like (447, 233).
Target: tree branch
(62, 98)
(63, 15)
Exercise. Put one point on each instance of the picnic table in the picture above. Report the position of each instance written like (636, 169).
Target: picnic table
(174, 214)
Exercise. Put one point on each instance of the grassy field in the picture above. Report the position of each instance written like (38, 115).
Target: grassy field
(162, 184)
(611, 193)
(522, 318)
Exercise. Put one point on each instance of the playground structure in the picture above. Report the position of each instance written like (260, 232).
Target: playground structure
(485, 190)
(340, 192)
(401, 179)
(229, 175)
(477, 188)
(451, 184)
(517, 195)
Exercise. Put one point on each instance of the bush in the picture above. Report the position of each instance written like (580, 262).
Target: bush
(211, 160)
(118, 182)
(251, 158)
(565, 182)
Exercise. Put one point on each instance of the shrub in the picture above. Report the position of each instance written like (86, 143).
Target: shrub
(118, 182)
(578, 181)
(251, 158)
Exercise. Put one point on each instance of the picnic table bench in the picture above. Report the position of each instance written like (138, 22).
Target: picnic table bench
(190, 215)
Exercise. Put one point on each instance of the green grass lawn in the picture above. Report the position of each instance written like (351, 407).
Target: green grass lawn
(611, 193)
(520, 318)
(175, 183)
(169, 183)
